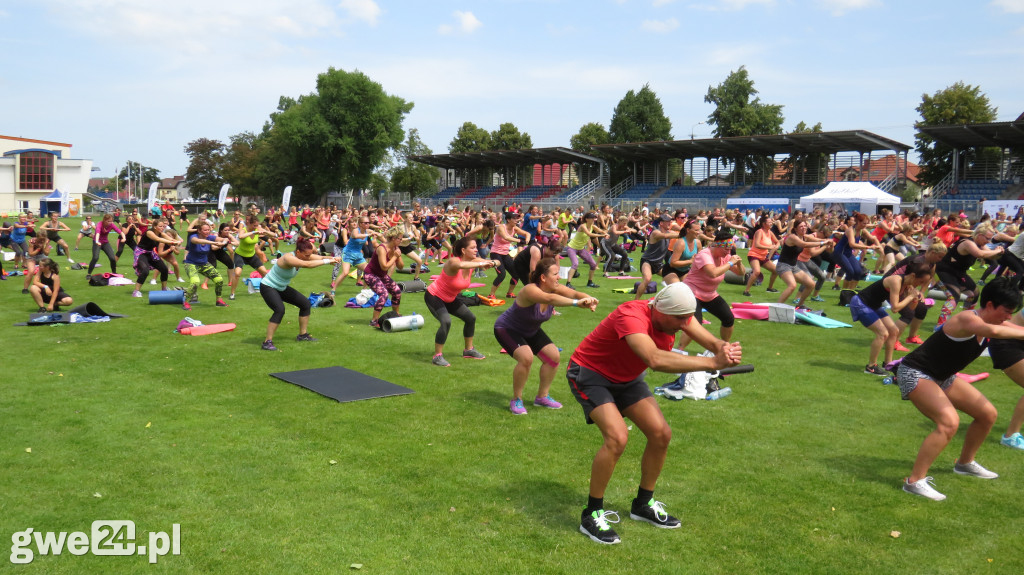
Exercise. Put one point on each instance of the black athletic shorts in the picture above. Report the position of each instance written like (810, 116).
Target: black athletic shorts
(252, 261)
(406, 250)
(1005, 352)
(512, 340)
(591, 390)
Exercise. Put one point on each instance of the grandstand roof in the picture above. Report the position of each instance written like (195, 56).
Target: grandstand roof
(502, 158)
(963, 136)
(819, 142)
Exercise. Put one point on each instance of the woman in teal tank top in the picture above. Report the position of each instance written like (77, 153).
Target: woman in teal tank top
(276, 290)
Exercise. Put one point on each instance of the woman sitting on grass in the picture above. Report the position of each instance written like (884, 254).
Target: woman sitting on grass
(46, 289)
(519, 331)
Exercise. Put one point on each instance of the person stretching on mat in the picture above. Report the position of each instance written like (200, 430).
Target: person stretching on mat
(376, 276)
(276, 292)
(519, 331)
(46, 290)
(147, 257)
(928, 378)
(606, 376)
(442, 298)
(706, 273)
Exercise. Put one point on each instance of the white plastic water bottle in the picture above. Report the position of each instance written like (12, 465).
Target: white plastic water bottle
(719, 393)
(415, 327)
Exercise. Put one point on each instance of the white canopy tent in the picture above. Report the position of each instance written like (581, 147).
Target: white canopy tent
(864, 197)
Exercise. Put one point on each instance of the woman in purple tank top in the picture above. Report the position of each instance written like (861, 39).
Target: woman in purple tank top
(518, 330)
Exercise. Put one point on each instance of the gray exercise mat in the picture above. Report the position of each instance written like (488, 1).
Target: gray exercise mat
(341, 384)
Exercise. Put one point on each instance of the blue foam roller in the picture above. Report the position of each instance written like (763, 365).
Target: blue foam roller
(167, 296)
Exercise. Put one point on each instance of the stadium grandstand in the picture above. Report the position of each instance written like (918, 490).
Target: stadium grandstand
(536, 176)
(989, 163)
(699, 174)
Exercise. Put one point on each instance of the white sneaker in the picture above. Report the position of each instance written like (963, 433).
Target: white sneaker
(974, 469)
(152, 282)
(923, 487)
(136, 293)
(181, 280)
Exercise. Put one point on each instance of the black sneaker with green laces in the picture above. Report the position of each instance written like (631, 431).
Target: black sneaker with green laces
(596, 526)
(654, 513)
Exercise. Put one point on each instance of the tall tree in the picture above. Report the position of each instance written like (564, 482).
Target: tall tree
(241, 162)
(736, 114)
(805, 168)
(470, 138)
(409, 175)
(639, 117)
(508, 137)
(590, 134)
(333, 139)
(206, 159)
(958, 104)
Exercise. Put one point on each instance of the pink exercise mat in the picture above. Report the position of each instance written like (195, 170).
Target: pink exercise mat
(750, 313)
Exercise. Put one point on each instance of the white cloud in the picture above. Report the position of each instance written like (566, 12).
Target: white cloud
(731, 5)
(364, 10)
(660, 26)
(657, 3)
(840, 7)
(184, 30)
(1012, 6)
(465, 22)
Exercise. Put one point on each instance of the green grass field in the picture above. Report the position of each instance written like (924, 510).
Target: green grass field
(797, 472)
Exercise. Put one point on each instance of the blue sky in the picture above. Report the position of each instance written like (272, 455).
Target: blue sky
(137, 80)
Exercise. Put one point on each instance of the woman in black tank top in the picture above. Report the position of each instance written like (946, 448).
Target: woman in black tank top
(928, 378)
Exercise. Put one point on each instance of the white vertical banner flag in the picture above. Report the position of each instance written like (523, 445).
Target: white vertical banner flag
(223, 196)
(151, 200)
(287, 200)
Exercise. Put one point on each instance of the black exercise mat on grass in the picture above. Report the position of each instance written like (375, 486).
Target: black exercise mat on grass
(341, 384)
(51, 317)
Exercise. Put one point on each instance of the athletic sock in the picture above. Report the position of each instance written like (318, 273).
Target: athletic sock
(643, 496)
(593, 504)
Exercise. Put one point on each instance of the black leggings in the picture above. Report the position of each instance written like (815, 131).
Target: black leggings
(96, 257)
(222, 257)
(131, 243)
(440, 310)
(276, 299)
(718, 308)
(505, 264)
(613, 249)
(146, 264)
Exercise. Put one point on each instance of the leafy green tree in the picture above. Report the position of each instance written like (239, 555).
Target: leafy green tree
(206, 159)
(409, 175)
(591, 134)
(508, 137)
(736, 114)
(333, 139)
(805, 168)
(958, 104)
(241, 162)
(470, 138)
(639, 117)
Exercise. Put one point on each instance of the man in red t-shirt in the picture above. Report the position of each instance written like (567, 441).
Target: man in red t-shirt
(606, 375)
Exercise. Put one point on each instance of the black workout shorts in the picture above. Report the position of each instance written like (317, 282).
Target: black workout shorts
(591, 390)
(1005, 352)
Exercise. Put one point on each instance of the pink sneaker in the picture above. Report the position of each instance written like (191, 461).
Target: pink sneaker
(516, 406)
(547, 402)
